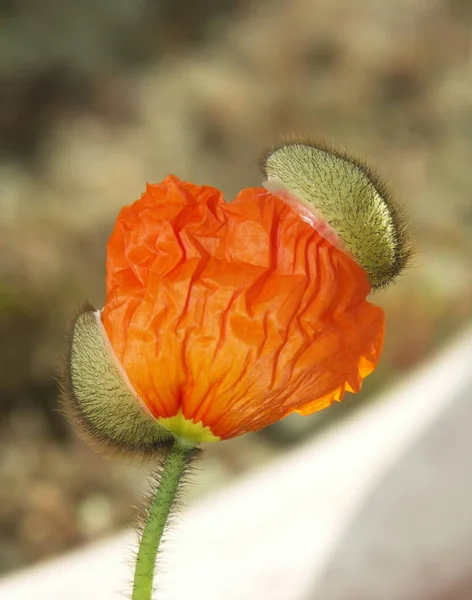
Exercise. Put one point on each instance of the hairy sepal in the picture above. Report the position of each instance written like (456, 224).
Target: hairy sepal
(356, 207)
(99, 398)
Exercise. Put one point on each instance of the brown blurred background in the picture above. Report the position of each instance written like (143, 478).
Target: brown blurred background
(98, 97)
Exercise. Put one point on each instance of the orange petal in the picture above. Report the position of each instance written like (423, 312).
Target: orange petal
(234, 314)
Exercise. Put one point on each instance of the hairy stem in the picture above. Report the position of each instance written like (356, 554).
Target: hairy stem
(171, 476)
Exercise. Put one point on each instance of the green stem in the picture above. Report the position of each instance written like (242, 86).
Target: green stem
(158, 513)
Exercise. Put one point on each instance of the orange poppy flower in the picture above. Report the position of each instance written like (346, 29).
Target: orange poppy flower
(226, 317)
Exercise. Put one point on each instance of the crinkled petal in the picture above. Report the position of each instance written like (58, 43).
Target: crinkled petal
(235, 314)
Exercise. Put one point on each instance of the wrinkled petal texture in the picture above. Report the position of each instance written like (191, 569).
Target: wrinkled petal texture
(235, 313)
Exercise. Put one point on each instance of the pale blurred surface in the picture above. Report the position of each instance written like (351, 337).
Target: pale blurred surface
(411, 539)
(98, 97)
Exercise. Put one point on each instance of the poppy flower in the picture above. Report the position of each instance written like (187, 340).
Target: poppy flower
(226, 317)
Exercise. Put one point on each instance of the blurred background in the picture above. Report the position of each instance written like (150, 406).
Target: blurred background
(98, 97)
